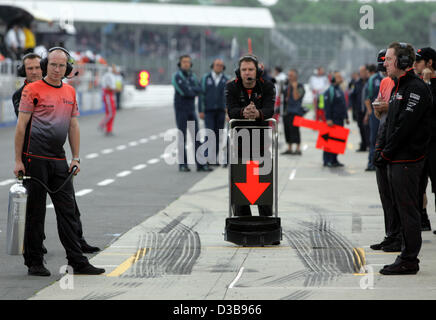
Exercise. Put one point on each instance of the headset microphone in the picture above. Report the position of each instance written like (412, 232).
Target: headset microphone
(251, 79)
(74, 75)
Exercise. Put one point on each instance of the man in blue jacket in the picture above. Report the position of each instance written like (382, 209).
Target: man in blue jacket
(186, 89)
(212, 103)
(335, 114)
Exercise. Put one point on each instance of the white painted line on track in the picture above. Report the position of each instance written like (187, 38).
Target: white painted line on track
(153, 137)
(153, 161)
(121, 147)
(105, 182)
(124, 173)
(107, 151)
(6, 182)
(139, 167)
(91, 156)
(143, 140)
(83, 192)
(133, 144)
(293, 173)
(237, 278)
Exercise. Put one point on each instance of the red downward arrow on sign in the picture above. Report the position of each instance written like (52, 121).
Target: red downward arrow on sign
(252, 189)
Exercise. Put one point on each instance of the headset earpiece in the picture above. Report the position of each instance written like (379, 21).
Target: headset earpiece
(403, 61)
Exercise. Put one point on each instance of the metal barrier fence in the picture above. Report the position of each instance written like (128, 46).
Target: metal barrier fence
(86, 83)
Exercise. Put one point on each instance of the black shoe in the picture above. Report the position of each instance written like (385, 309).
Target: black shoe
(298, 153)
(275, 243)
(392, 247)
(184, 169)
(328, 164)
(401, 267)
(425, 225)
(40, 271)
(370, 168)
(44, 249)
(287, 152)
(86, 248)
(379, 246)
(225, 165)
(337, 164)
(88, 269)
(204, 168)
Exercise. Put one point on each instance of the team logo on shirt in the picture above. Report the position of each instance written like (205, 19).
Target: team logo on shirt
(67, 102)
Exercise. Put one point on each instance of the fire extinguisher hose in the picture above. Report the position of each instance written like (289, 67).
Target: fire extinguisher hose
(23, 177)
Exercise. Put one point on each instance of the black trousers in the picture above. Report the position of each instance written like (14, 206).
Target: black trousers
(404, 182)
(363, 129)
(52, 173)
(292, 133)
(182, 118)
(390, 211)
(214, 120)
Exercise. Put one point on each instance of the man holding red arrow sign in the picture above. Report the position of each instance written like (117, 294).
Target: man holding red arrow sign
(334, 139)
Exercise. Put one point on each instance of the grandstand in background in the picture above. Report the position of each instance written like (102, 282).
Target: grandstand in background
(307, 46)
(152, 36)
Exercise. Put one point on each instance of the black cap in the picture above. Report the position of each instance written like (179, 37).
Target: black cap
(380, 60)
(426, 54)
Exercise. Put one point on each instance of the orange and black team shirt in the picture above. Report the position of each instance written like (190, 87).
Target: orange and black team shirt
(52, 108)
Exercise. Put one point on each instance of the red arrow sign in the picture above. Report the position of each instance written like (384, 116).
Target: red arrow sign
(252, 189)
(331, 139)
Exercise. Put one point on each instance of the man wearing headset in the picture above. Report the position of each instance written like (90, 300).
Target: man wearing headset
(335, 114)
(249, 96)
(425, 67)
(31, 70)
(212, 104)
(187, 88)
(402, 146)
(393, 240)
(50, 106)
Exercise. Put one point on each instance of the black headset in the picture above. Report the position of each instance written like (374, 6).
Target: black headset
(253, 58)
(44, 62)
(213, 64)
(403, 60)
(21, 69)
(179, 64)
(380, 60)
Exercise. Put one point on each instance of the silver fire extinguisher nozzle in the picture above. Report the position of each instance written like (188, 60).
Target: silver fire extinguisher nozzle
(16, 217)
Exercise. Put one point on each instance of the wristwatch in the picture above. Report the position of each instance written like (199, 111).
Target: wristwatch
(77, 159)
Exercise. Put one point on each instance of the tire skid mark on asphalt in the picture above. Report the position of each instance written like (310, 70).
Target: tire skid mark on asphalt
(326, 253)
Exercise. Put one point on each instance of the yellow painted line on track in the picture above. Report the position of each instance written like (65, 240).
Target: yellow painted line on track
(123, 267)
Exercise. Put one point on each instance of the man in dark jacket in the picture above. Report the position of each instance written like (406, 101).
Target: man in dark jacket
(249, 96)
(187, 88)
(403, 145)
(425, 66)
(359, 109)
(212, 103)
(335, 114)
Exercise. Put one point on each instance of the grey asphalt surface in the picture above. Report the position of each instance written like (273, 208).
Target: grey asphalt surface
(110, 210)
